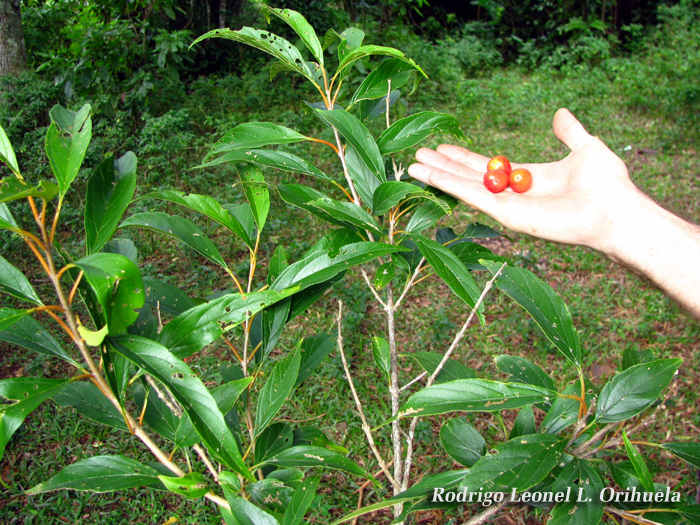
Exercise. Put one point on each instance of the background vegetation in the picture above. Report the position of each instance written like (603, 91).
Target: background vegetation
(628, 70)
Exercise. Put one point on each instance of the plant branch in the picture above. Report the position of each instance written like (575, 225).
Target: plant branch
(365, 425)
(203, 455)
(421, 376)
(631, 517)
(341, 155)
(410, 283)
(431, 379)
(372, 288)
(486, 515)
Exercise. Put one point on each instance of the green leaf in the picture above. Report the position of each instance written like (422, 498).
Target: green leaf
(24, 395)
(269, 43)
(473, 395)
(427, 215)
(364, 51)
(245, 513)
(208, 207)
(689, 452)
(301, 27)
(158, 415)
(7, 154)
(14, 283)
(12, 189)
(313, 350)
(382, 355)
(462, 442)
(366, 183)
(276, 389)
(347, 214)
(99, 474)
(357, 135)
(272, 494)
(244, 215)
(118, 286)
(631, 357)
(471, 253)
(11, 316)
(87, 399)
(252, 135)
(385, 274)
(275, 438)
(179, 228)
(524, 371)
(301, 501)
(389, 194)
(634, 389)
(271, 159)
(376, 84)
(450, 269)
(519, 464)
(256, 192)
(109, 191)
(188, 389)
(66, 143)
(316, 437)
(278, 262)
(524, 423)
(192, 485)
(563, 412)
(93, 337)
(197, 327)
(543, 304)
(409, 131)
(586, 485)
(30, 333)
(319, 267)
(167, 297)
(125, 247)
(451, 370)
(640, 466)
(302, 196)
(350, 39)
(7, 221)
(310, 456)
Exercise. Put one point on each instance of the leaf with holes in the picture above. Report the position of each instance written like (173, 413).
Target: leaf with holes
(275, 438)
(24, 395)
(301, 27)
(29, 333)
(190, 392)
(193, 485)
(166, 297)
(584, 480)
(409, 131)
(11, 316)
(385, 274)
(99, 474)
(12, 189)
(67, 140)
(109, 191)
(634, 389)
(178, 228)
(269, 43)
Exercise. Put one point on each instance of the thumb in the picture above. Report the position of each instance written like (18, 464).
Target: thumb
(569, 130)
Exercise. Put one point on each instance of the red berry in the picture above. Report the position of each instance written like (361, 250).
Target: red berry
(496, 181)
(499, 162)
(520, 180)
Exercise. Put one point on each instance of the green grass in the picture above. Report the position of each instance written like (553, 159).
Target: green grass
(508, 111)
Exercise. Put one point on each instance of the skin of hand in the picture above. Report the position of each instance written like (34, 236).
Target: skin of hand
(587, 199)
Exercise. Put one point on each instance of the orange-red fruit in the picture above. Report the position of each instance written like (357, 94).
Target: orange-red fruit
(496, 181)
(499, 162)
(520, 180)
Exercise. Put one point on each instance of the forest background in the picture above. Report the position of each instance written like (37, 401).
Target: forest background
(627, 68)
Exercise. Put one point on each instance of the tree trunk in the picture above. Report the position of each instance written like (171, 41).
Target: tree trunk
(222, 13)
(13, 55)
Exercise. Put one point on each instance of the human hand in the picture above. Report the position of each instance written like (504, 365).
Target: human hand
(576, 200)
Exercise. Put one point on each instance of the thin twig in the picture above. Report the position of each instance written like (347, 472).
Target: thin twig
(372, 288)
(631, 517)
(365, 425)
(203, 455)
(410, 283)
(484, 516)
(431, 379)
(580, 424)
(174, 407)
(413, 381)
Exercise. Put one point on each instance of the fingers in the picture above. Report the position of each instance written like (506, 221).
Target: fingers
(464, 156)
(569, 130)
(442, 162)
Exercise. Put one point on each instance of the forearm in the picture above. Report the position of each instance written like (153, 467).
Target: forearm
(658, 245)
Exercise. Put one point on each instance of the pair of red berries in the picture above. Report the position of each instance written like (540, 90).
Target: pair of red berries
(499, 176)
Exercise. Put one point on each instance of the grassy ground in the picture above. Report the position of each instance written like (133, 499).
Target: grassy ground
(506, 112)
